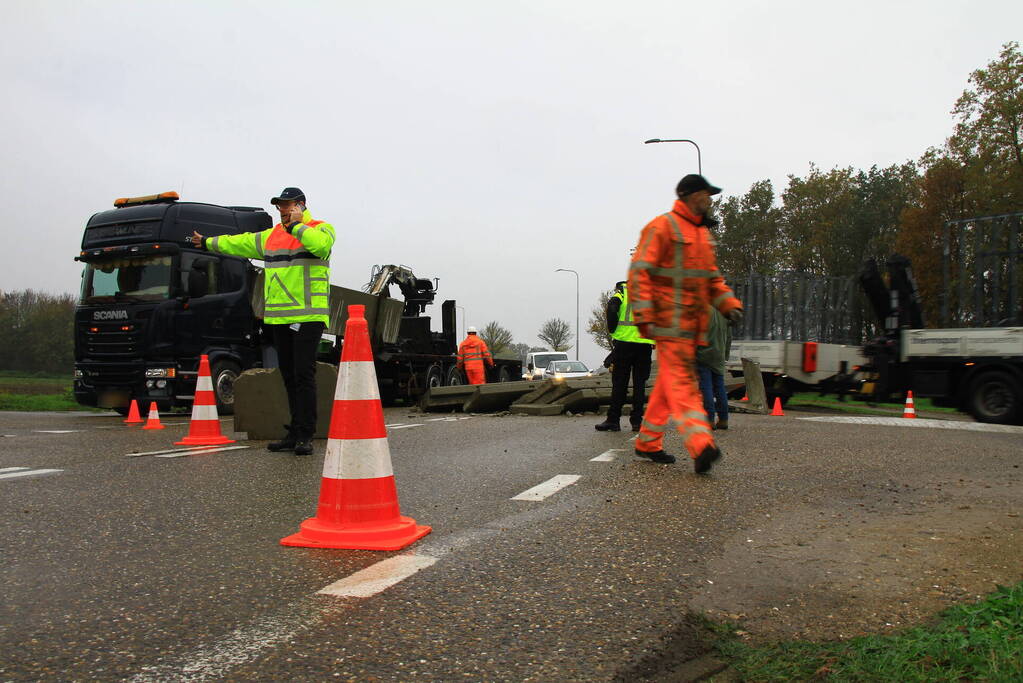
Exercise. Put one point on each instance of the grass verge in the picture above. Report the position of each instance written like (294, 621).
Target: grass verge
(981, 641)
(37, 402)
(813, 400)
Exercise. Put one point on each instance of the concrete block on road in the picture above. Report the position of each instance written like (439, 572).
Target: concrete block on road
(584, 400)
(261, 404)
(537, 409)
(446, 399)
(489, 398)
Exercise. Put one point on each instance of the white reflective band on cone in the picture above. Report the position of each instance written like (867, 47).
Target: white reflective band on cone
(356, 381)
(357, 459)
(203, 384)
(204, 412)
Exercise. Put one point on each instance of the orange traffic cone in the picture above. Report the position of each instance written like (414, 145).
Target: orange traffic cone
(204, 429)
(777, 411)
(909, 410)
(153, 421)
(358, 507)
(745, 397)
(134, 418)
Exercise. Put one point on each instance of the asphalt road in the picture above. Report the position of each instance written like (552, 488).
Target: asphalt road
(119, 566)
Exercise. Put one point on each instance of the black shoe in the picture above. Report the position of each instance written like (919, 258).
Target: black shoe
(705, 460)
(285, 444)
(635, 428)
(608, 426)
(657, 456)
(304, 447)
(721, 424)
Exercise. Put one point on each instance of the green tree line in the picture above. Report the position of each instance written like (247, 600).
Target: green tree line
(827, 222)
(37, 332)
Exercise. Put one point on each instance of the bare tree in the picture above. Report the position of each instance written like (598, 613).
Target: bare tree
(597, 326)
(497, 338)
(555, 333)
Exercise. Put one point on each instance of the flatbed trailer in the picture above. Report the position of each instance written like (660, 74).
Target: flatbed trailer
(790, 366)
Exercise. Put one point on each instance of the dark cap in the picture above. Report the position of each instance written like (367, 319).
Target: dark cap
(694, 183)
(289, 194)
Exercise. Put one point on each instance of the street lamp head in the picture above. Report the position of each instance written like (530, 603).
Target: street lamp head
(652, 140)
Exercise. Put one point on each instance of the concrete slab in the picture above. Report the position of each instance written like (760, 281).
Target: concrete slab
(446, 399)
(537, 409)
(584, 400)
(490, 398)
(261, 404)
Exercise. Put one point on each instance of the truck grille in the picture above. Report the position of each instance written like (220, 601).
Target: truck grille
(112, 375)
(114, 341)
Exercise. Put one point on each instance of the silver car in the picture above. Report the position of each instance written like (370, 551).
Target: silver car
(566, 369)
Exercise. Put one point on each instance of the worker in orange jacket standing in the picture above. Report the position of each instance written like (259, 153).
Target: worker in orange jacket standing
(472, 353)
(672, 280)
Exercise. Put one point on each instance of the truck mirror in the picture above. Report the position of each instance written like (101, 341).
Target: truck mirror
(529, 367)
(198, 279)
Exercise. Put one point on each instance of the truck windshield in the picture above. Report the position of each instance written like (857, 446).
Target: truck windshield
(542, 360)
(141, 278)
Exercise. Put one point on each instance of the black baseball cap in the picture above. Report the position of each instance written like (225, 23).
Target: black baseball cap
(694, 183)
(289, 194)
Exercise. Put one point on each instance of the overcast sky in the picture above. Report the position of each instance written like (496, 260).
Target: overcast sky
(483, 143)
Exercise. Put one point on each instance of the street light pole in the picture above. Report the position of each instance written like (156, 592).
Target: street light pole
(569, 270)
(699, 161)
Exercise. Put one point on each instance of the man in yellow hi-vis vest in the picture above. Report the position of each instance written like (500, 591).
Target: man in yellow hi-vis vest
(630, 357)
(296, 287)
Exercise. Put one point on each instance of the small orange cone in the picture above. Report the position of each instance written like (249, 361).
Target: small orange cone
(134, 418)
(204, 429)
(358, 507)
(777, 411)
(909, 411)
(153, 422)
(745, 397)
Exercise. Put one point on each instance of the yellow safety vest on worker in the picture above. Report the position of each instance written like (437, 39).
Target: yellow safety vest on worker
(297, 274)
(626, 330)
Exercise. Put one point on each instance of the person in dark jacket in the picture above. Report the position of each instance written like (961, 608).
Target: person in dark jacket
(710, 361)
(630, 356)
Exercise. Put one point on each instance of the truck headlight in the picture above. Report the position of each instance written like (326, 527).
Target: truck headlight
(79, 374)
(161, 372)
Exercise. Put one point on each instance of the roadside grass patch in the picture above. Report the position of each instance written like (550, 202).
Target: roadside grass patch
(851, 405)
(981, 641)
(36, 392)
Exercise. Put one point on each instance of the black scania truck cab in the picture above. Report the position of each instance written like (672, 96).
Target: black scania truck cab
(151, 304)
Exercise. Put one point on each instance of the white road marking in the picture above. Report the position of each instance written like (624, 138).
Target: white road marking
(201, 451)
(465, 418)
(419, 424)
(395, 424)
(183, 451)
(548, 488)
(920, 423)
(56, 431)
(379, 576)
(608, 456)
(11, 469)
(27, 473)
(443, 419)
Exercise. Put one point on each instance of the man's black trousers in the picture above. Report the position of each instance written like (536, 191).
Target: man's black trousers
(630, 360)
(296, 356)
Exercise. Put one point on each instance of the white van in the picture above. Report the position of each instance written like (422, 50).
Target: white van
(537, 362)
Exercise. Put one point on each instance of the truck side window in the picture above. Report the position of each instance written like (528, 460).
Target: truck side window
(232, 274)
(212, 269)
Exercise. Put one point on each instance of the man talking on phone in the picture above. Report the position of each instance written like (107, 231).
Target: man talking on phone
(296, 286)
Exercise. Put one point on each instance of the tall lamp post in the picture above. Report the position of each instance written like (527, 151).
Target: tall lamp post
(699, 161)
(569, 270)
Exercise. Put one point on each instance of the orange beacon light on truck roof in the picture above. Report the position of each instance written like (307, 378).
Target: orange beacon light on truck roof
(148, 199)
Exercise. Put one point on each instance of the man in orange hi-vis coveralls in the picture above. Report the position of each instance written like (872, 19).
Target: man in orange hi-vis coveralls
(472, 353)
(672, 279)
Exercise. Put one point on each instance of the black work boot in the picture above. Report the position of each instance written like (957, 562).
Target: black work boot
(303, 446)
(705, 460)
(285, 444)
(635, 427)
(608, 426)
(657, 456)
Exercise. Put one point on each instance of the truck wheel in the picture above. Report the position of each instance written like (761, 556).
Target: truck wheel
(434, 377)
(454, 378)
(995, 397)
(503, 374)
(225, 372)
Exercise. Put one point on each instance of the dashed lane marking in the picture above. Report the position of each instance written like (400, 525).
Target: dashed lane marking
(56, 431)
(608, 456)
(185, 451)
(548, 488)
(24, 472)
(416, 424)
(920, 423)
(378, 577)
(201, 451)
(443, 419)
